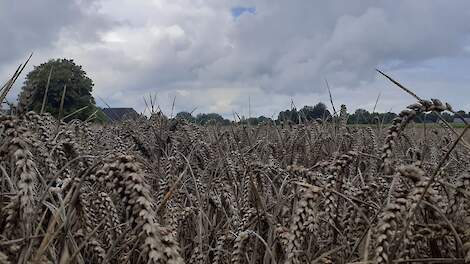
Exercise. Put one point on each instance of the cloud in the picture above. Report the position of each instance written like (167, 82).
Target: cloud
(215, 54)
(32, 25)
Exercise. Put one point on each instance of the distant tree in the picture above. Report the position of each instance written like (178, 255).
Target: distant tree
(385, 118)
(203, 119)
(320, 111)
(307, 113)
(310, 113)
(257, 120)
(447, 117)
(289, 116)
(186, 116)
(462, 113)
(360, 116)
(64, 73)
(263, 119)
(432, 118)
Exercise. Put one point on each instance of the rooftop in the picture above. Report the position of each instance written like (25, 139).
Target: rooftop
(120, 113)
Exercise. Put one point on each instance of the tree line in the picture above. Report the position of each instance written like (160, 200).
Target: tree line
(62, 85)
(318, 112)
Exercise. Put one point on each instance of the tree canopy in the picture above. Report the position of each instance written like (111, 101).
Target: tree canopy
(205, 118)
(62, 72)
(318, 111)
(186, 116)
(307, 113)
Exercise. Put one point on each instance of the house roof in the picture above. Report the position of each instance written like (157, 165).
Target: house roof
(121, 113)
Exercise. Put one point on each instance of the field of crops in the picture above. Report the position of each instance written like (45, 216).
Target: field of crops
(159, 190)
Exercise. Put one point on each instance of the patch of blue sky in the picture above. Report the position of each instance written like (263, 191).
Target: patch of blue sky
(240, 10)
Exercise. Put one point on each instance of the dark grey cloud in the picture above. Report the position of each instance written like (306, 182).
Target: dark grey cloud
(208, 56)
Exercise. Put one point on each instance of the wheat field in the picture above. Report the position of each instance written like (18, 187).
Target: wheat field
(160, 190)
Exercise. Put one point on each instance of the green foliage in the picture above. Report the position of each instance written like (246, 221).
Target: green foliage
(362, 116)
(448, 117)
(100, 117)
(205, 118)
(307, 113)
(289, 116)
(257, 120)
(318, 111)
(186, 116)
(64, 73)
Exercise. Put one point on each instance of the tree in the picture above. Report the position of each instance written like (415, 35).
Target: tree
(291, 116)
(307, 113)
(385, 118)
(448, 117)
(63, 72)
(462, 113)
(318, 111)
(186, 116)
(256, 120)
(360, 116)
(203, 119)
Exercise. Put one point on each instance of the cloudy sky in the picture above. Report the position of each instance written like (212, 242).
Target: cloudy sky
(222, 56)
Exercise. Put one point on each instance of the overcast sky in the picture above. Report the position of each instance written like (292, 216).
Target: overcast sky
(219, 55)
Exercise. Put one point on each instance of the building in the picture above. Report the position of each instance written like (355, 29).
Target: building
(460, 121)
(120, 114)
